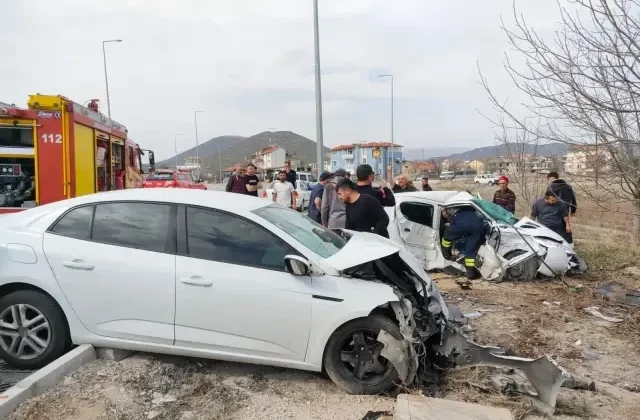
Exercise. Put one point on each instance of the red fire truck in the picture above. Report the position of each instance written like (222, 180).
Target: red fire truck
(57, 149)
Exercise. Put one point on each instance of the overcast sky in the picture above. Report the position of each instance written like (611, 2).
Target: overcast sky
(249, 64)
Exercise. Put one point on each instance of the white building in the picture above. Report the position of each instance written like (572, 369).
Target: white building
(273, 157)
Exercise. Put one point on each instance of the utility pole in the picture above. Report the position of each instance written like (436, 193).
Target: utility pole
(108, 169)
(319, 131)
(175, 146)
(195, 116)
(393, 158)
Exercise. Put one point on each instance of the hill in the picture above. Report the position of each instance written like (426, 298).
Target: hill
(417, 153)
(207, 148)
(551, 149)
(298, 146)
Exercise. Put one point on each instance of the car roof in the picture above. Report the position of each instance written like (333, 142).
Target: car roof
(441, 197)
(225, 201)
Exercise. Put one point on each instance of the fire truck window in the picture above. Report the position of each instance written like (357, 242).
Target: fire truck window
(75, 224)
(145, 226)
(160, 176)
(16, 137)
(132, 157)
(182, 177)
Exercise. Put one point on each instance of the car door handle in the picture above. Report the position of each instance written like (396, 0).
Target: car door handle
(407, 230)
(78, 265)
(196, 281)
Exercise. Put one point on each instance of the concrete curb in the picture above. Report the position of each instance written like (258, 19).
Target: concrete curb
(43, 379)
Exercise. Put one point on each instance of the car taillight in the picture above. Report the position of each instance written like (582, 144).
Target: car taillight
(264, 194)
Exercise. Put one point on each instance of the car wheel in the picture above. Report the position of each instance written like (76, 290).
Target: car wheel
(352, 358)
(525, 271)
(477, 182)
(33, 330)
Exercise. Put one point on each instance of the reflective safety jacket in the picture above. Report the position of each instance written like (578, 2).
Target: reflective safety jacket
(467, 230)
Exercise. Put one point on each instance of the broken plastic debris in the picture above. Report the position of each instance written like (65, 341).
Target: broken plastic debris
(590, 354)
(593, 310)
(473, 315)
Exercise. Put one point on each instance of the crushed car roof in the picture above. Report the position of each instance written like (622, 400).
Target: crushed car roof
(438, 196)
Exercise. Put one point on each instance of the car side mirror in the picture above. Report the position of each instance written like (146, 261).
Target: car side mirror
(200, 180)
(296, 265)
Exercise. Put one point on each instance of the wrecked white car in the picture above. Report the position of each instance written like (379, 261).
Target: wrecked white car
(514, 250)
(229, 277)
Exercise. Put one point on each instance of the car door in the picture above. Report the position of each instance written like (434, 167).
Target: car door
(233, 295)
(115, 264)
(415, 220)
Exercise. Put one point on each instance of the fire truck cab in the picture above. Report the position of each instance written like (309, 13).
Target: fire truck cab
(57, 149)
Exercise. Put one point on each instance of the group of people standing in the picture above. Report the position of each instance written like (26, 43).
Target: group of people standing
(554, 210)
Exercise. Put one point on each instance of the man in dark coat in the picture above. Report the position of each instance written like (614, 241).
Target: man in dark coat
(366, 175)
(237, 182)
(563, 191)
(504, 197)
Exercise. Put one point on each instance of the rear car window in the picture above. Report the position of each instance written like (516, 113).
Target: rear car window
(75, 224)
(146, 226)
(160, 176)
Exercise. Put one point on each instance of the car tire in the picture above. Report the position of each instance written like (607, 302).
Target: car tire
(477, 182)
(342, 344)
(525, 271)
(57, 337)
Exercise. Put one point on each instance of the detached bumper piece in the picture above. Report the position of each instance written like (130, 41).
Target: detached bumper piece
(545, 375)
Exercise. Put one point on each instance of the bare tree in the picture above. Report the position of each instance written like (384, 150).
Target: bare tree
(584, 85)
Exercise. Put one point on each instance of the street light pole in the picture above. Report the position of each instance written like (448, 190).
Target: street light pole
(175, 145)
(195, 116)
(319, 131)
(393, 158)
(106, 78)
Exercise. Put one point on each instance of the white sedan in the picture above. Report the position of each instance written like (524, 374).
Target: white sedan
(230, 277)
(218, 275)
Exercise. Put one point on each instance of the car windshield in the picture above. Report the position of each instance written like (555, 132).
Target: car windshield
(496, 212)
(317, 238)
(160, 176)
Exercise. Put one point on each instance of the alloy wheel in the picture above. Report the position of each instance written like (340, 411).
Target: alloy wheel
(360, 356)
(25, 332)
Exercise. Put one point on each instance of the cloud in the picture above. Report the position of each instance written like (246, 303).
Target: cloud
(249, 64)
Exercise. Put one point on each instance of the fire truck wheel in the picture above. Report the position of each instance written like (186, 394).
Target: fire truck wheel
(34, 329)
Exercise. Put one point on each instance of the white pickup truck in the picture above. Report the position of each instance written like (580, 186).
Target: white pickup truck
(486, 179)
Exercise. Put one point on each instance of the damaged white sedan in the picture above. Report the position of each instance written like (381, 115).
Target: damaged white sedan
(514, 250)
(228, 277)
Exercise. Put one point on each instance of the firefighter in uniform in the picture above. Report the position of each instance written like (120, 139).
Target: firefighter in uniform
(467, 230)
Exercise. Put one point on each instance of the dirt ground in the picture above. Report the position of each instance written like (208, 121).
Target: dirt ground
(527, 319)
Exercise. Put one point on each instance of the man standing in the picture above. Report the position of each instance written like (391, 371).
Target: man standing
(402, 185)
(365, 176)
(237, 183)
(364, 213)
(554, 214)
(292, 177)
(283, 191)
(315, 197)
(504, 197)
(332, 211)
(563, 191)
(425, 184)
(251, 180)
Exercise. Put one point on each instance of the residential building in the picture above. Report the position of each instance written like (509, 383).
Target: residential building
(584, 159)
(376, 154)
(413, 169)
(273, 157)
(475, 165)
(193, 162)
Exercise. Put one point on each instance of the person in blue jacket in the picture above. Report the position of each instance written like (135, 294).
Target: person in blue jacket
(467, 230)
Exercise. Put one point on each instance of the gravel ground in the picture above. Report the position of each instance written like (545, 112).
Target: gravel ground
(158, 387)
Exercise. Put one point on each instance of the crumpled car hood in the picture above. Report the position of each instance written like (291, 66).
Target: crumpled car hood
(364, 247)
(534, 229)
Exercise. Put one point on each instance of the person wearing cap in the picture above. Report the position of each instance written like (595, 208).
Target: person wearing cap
(315, 197)
(504, 197)
(332, 211)
(366, 175)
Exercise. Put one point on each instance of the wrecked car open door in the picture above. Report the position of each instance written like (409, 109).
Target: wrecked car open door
(414, 220)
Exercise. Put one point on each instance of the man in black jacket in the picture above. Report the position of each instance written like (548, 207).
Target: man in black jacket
(366, 175)
(363, 212)
(291, 174)
(562, 191)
